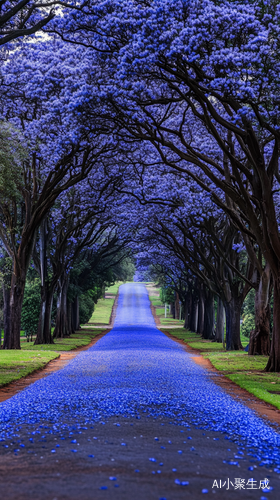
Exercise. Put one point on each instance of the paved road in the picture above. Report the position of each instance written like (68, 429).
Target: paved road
(134, 417)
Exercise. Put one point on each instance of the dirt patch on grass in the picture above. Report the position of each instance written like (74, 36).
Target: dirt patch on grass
(13, 388)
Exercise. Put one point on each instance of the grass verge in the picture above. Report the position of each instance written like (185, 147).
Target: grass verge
(79, 339)
(113, 290)
(17, 364)
(245, 371)
(160, 309)
(103, 309)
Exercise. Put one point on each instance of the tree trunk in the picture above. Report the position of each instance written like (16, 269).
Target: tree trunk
(21, 264)
(75, 314)
(44, 335)
(190, 308)
(233, 312)
(61, 323)
(186, 307)
(77, 325)
(177, 306)
(209, 323)
(201, 311)
(194, 316)
(72, 313)
(220, 321)
(273, 364)
(12, 333)
(6, 314)
(260, 336)
(44, 326)
(69, 318)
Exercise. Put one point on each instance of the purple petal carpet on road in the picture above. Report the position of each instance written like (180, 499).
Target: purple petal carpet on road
(135, 370)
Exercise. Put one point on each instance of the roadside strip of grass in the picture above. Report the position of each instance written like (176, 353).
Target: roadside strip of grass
(80, 338)
(113, 290)
(17, 364)
(103, 309)
(245, 371)
(160, 309)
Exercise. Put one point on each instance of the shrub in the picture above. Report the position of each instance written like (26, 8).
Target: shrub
(31, 307)
(86, 307)
(248, 324)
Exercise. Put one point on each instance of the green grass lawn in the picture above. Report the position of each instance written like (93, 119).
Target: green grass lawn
(103, 308)
(156, 301)
(114, 288)
(17, 364)
(22, 334)
(102, 311)
(169, 321)
(160, 312)
(196, 342)
(78, 339)
(246, 371)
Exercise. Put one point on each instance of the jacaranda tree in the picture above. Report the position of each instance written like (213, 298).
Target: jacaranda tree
(186, 75)
(40, 98)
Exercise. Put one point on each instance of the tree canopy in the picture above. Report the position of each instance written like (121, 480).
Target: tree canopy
(144, 129)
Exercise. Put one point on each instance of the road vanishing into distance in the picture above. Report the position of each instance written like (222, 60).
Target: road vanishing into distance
(134, 418)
